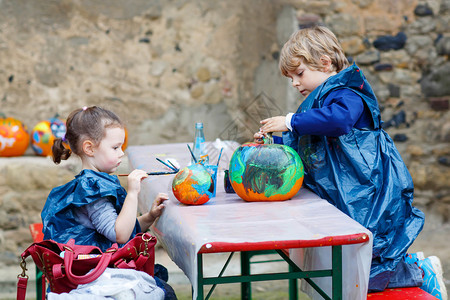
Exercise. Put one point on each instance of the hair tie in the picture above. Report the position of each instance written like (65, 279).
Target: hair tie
(84, 107)
(63, 138)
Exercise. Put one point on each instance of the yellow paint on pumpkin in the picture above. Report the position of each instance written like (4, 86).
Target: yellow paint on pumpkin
(251, 196)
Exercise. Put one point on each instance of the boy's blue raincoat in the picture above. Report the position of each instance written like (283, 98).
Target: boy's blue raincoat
(60, 223)
(363, 175)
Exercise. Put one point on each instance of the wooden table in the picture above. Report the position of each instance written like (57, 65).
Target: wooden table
(228, 224)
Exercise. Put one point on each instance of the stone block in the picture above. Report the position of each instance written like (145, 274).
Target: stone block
(437, 82)
(443, 46)
(415, 150)
(344, 24)
(352, 45)
(389, 42)
(422, 10)
(379, 23)
(203, 74)
(368, 57)
(439, 103)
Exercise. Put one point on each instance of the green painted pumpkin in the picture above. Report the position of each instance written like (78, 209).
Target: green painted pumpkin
(265, 172)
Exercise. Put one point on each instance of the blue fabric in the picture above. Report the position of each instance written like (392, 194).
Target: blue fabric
(406, 275)
(342, 110)
(58, 217)
(362, 174)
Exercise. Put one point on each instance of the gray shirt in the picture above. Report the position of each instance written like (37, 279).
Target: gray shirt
(99, 215)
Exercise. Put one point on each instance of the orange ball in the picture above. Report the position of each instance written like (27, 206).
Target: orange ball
(14, 137)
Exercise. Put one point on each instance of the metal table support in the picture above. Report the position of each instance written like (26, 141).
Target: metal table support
(292, 275)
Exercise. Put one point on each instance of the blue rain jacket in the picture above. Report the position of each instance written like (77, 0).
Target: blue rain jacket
(363, 175)
(61, 224)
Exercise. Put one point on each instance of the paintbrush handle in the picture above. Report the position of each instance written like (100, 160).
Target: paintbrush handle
(161, 173)
(167, 165)
(192, 154)
(152, 173)
(220, 155)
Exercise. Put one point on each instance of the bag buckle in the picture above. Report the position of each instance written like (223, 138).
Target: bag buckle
(146, 240)
(23, 265)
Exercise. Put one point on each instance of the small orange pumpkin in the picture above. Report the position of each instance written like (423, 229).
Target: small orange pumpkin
(125, 142)
(14, 137)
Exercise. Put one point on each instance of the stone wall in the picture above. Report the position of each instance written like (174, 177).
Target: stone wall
(163, 65)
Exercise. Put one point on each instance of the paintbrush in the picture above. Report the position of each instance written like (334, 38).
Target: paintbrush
(154, 173)
(220, 155)
(172, 165)
(167, 165)
(192, 154)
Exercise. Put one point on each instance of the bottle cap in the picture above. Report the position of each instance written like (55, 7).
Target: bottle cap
(199, 125)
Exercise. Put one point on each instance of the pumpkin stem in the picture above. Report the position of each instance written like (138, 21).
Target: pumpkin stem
(268, 139)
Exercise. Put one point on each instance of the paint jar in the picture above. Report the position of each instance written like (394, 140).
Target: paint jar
(227, 183)
(212, 170)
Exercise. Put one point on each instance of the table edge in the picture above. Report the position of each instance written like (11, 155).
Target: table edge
(216, 247)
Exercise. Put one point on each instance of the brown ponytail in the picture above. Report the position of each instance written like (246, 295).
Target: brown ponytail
(59, 151)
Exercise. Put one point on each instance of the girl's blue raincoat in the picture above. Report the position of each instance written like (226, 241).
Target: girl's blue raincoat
(60, 223)
(363, 175)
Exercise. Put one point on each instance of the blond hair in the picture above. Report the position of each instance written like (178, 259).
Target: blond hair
(308, 45)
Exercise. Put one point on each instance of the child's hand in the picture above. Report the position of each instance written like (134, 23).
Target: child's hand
(275, 124)
(158, 205)
(258, 137)
(134, 181)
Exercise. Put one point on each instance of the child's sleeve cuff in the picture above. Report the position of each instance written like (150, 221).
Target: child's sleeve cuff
(288, 121)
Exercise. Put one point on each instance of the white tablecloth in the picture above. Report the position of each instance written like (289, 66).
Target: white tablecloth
(183, 230)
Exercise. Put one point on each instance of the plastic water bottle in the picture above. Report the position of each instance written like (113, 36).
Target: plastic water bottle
(199, 144)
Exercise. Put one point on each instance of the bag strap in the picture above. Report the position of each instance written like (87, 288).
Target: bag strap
(93, 274)
(22, 288)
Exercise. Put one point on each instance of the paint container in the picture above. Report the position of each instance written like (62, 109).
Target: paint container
(227, 184)
(212, 170)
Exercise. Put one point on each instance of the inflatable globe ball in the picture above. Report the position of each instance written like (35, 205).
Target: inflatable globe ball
(193, 185)
(44, 133)
(265, 172)
(14, 137)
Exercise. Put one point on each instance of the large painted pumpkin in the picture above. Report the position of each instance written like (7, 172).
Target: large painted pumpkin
(44, 133)
(265, 172)
(193, 185)
(14, 137)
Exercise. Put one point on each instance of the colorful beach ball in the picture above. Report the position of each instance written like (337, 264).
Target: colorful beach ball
(14, 137)
(44, 133)
(265, 172)
(193, 185)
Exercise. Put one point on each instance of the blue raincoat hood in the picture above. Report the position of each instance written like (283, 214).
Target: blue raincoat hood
(60, 223)
(362, 174)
